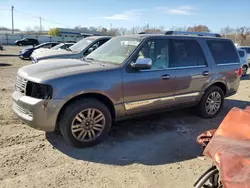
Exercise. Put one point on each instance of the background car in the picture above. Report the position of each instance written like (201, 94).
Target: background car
(76, 51)
(247, 48)
(26, 52)
(243, 61)
(26, 41)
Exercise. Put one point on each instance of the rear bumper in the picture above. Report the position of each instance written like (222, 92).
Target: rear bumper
(37, 113)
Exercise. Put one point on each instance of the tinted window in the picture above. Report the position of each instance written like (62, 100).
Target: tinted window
(185, 53)
(157, 51)
(247, 49)
(223, 52)
(241, 53)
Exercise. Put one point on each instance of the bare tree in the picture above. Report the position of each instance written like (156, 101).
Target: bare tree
(122, 30)
(242, 33)
(178, 29)
(227, 31)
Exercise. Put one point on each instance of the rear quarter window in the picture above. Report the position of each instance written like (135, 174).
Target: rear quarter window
(223, 51)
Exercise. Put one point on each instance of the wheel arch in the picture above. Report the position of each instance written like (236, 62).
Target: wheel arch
(97, 96)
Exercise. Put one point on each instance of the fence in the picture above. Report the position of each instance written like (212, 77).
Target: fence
(11, 38)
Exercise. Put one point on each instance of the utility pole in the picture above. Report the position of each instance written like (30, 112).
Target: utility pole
(40, 25)
(12, 9)
(133, 30)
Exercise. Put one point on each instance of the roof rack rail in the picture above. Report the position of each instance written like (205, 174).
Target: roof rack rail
(192, 33)
(148, 32)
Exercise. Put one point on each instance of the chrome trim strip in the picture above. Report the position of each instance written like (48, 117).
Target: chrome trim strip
(137, 104)
(187, 95)
(227, 64)
(174, 68)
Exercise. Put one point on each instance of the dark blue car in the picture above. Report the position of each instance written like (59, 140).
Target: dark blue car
(26, 52)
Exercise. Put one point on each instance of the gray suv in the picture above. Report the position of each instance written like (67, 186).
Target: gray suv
(125, 77)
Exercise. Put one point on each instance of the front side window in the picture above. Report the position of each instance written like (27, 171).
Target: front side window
(115, 50)
(80, 45)
(223, 51)
(157, 51)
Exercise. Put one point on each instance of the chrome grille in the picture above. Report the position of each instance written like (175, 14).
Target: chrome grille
(21, 84)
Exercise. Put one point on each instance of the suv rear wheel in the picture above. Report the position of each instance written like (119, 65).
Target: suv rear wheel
(85, 123)
(211, 102)
(244, 70)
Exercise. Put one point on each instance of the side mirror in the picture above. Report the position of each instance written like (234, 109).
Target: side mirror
(142, 63)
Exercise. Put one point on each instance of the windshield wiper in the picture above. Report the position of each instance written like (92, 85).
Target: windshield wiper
(68, 49)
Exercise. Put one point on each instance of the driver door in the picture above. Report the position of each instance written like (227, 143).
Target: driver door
(151, 89)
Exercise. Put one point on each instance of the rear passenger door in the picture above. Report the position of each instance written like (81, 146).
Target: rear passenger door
(187, 56)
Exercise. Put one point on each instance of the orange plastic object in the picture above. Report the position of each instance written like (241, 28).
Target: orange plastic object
(230, 149)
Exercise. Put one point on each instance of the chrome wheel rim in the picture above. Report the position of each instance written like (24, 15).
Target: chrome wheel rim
(88, 125)
(213, 103)
(244, 70)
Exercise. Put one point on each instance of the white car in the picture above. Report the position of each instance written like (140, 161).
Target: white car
(243, 61)
(247, 48)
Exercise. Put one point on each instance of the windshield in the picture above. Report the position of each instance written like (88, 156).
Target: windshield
(115, 50)
(80, 45)
(57, 46)
(241, 53)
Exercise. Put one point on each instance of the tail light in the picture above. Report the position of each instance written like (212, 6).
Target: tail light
(240, 72)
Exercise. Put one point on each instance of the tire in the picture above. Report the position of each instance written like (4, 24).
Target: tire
(244, 70)
(69, 121)
(211, 175)
(201, 108)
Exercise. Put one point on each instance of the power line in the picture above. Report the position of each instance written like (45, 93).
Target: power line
(41, 18)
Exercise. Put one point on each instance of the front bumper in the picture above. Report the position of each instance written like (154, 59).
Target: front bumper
(37, 113)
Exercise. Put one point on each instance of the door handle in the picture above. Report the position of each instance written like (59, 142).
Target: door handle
(165, 77)
(205, 73)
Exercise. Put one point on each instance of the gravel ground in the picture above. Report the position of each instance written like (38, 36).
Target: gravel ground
(157, 151)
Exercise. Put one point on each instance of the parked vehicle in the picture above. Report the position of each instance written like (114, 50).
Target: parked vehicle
(76, 51)
(26, 41)
(63, 46)
(60, 46)
(243, 60)
(247, 48)
(1, 46)
(26, 52)
(125, 77)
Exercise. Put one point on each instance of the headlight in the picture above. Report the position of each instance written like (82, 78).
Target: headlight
(40, 91)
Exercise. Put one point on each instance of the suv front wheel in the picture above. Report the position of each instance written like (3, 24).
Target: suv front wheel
(85, 123)
(211, 102)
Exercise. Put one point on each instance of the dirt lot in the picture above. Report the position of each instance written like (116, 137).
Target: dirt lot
(158, 151)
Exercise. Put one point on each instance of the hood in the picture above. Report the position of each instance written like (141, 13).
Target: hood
(56, 68)
(51, 53)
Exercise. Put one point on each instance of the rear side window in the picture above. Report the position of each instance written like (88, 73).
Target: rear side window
(247, 49)
(185, 53)
(223, 52)
(241, 53)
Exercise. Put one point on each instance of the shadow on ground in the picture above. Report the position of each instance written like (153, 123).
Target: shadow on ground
(8, 55)
(246, 77)
(5, 65)
(160, 139)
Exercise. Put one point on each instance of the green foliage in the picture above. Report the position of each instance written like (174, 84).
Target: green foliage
(54, 32)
